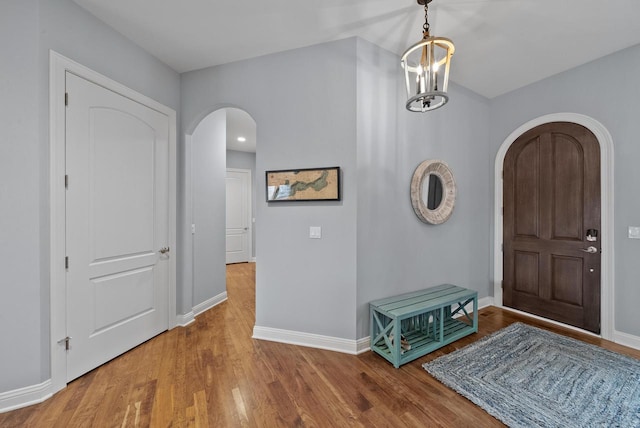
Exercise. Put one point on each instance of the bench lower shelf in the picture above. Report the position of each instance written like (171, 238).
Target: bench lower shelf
(423, 343)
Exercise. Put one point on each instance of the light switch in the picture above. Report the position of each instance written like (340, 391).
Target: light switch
(315, 232)
(634, 232)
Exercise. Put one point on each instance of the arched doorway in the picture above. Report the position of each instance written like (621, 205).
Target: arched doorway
(240, 186)
(606, 179)
(205, 205)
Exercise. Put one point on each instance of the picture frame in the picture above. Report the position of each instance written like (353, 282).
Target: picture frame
(306, 184)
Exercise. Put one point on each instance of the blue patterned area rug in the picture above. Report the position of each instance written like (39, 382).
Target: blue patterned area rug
(528, 377)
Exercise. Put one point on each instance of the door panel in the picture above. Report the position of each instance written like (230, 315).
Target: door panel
(137, 285)
(117, 220)
(526, 272)
(526, 191)
(121, 172)
(551, 197)
(566, 279)
(568, 188)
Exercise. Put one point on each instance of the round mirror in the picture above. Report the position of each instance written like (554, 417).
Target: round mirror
(433, 191)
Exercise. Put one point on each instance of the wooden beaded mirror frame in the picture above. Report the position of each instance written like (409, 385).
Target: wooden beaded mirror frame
(433, 191)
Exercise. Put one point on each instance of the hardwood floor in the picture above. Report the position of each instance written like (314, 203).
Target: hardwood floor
(212, 374)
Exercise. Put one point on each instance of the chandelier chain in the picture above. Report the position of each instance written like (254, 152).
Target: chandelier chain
(425, 27)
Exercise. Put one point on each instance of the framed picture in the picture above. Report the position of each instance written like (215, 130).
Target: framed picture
(310, 184)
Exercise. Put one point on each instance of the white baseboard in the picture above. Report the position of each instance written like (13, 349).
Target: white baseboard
(482, 303)
(253, 259)
(23, 397)
(329, 343)
(485, 302)
(353, 347)
(363, 345)
(626, 339)
(210, 303)
(185, 319)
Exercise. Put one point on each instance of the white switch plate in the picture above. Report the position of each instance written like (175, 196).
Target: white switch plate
(315, 232)
(634, 232)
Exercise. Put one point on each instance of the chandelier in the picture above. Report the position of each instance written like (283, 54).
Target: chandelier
(426, 69)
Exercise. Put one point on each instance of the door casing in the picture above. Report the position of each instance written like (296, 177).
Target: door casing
(59, 65)
(606, 184)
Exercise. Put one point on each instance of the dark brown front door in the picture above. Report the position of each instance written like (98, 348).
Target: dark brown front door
(551, 219)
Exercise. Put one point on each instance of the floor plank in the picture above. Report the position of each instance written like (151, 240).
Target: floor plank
(213, 374)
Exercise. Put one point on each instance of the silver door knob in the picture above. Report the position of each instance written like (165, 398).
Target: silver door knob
(590, 250)
(164, 250)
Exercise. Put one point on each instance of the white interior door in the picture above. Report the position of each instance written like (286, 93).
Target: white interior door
(238, 184)
(117, 205)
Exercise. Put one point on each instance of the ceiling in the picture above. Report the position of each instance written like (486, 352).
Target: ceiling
(501, 45)
(240, 125)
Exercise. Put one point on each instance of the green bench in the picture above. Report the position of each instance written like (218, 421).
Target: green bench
(428, 319)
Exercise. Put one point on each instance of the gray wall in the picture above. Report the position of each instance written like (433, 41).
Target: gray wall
(607, 91)
(246, 160)
(22, 323)
(349, 111)
(305, 117)
(208, 172)
(397, 252)
(28, 29)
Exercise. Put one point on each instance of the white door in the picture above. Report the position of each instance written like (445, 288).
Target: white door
(117, 205)
(238, 215)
